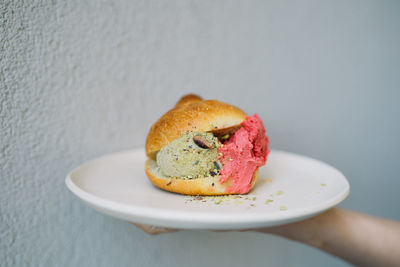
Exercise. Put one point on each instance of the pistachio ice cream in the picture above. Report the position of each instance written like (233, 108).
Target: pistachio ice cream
(193, 155)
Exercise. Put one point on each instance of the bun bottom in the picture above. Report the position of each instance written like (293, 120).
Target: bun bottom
(209, 186)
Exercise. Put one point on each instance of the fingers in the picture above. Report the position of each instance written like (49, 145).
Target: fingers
(154, 230)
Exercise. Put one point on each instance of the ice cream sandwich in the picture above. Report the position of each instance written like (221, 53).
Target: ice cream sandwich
(206, 147)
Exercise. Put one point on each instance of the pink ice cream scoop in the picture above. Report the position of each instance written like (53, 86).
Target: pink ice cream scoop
(243, 154)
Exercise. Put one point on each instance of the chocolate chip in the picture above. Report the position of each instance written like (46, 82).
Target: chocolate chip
(222, 132)
(217, 166)
(201, 142)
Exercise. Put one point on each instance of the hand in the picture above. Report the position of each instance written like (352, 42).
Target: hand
(302, 231)
(357, 238)
(155, 230)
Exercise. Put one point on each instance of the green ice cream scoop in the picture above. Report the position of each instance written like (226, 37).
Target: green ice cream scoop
(193, 155)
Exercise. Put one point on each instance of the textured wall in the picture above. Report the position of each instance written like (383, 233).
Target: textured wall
(79, 79)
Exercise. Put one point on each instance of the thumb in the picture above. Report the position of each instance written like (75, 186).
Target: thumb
(154, 230)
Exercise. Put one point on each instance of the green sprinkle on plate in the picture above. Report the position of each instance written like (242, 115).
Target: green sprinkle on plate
(238, 202)
(218, 201)
(268, 201)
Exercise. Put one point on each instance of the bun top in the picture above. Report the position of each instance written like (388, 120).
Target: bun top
(191, 113)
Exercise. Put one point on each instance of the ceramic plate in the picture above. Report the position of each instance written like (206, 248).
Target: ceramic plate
(290, 188)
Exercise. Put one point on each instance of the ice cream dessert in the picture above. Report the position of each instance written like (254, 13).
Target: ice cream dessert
(243, 154)
(206, 147)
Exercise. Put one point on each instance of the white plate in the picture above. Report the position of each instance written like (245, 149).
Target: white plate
(299, 187)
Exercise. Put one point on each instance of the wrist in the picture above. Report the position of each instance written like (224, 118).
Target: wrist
(313, 231)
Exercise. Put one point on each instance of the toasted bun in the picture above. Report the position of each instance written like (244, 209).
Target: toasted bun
(187, 99)
(191, 113)
(201, 186)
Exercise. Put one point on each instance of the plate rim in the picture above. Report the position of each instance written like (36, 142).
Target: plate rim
(169, 216)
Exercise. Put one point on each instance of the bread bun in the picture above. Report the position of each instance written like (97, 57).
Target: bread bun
(187, 99)
(203, 186)
(191, 113)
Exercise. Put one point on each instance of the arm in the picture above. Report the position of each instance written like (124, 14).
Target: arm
(357, 238)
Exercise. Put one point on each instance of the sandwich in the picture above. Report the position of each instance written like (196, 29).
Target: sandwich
(206, 147)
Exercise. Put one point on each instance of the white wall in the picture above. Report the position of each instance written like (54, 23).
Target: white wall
(79, 79)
